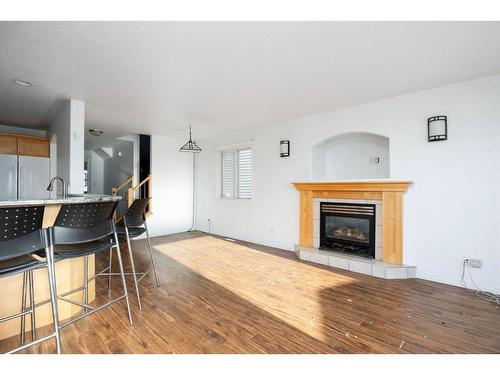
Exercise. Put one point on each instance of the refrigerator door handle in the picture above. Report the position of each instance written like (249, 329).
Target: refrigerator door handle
(19, 182)
(14, 193)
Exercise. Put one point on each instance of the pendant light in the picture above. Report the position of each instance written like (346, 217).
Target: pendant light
(190, 145)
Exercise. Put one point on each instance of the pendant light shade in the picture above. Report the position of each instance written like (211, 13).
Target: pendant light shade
(190, 145)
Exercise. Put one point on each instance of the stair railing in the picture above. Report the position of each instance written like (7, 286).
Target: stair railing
(143, 189)
(115, 190)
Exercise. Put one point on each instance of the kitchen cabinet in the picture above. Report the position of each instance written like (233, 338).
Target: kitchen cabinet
(24, 145)
(8, 144)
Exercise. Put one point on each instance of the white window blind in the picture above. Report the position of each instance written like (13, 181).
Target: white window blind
(228, 175)
(245, 174)
(236, 174)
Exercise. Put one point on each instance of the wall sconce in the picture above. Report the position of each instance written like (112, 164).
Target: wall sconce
(437, 128)
(284, 149)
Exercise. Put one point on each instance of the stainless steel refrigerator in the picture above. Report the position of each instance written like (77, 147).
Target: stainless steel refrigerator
(23, 177)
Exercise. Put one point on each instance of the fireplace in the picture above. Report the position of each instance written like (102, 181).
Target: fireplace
(348, 228)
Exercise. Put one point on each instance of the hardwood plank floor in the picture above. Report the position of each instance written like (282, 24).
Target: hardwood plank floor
(221, 296)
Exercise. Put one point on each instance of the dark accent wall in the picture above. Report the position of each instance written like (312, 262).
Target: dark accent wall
(144, 156)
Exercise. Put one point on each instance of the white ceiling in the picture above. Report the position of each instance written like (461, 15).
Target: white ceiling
(158, 77)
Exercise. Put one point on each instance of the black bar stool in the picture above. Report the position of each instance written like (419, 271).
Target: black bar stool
(21, 237)
(134, 224)
(80, 230)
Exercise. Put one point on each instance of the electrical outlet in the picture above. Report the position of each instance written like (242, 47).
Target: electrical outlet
(473, 262)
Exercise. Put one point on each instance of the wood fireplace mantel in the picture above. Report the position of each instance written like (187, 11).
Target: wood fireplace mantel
(389, 192)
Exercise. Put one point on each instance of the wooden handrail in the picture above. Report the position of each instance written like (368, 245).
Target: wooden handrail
(133, 189)
(141, 183)
(115, 190)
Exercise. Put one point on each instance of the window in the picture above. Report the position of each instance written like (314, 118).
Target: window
(236, 174)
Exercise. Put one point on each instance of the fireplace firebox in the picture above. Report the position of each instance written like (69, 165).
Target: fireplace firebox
(348, 228)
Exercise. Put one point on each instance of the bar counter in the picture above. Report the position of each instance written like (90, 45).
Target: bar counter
(69, 272)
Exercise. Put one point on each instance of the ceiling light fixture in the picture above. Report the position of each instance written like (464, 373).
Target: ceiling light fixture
(96, 132)
(190, 145)
(22, 82)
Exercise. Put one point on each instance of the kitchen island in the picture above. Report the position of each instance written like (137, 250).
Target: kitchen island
(69, 272)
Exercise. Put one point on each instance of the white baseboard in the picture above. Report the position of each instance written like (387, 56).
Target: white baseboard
(449, 281)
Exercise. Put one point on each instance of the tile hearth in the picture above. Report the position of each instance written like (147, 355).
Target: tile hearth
(371, 267)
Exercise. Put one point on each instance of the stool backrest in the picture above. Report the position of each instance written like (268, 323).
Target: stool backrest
(83, 222)
(136, 214)
(21, 231)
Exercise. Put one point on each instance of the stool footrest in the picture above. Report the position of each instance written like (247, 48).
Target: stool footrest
(84, 305)
(17, 315)
(51, 336)
(93, 310)
(128, 274)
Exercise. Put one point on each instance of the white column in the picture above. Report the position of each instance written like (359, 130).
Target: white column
(67, 145)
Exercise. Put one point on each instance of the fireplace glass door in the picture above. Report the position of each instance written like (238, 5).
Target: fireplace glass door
(348, 228)
(352, 229)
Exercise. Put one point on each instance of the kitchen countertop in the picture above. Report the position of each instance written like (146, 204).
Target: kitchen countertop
(72, 198)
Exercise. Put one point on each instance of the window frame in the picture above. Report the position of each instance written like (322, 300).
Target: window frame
(236, 151)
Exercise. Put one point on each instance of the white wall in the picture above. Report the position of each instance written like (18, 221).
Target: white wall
(96, 173)
(119, 167)
(450, 212)
(53, 161)
(172, 175)
(68, 128)
(107, 169)
(59, 134)
(77, 140)
(95, 170)
(134, 138)
(347, 156)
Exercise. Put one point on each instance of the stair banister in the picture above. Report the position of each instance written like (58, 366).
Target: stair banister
(132, 190)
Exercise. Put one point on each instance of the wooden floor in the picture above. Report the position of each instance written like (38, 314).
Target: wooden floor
(221, 296)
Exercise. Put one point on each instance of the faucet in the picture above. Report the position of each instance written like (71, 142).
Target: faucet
(49, 188)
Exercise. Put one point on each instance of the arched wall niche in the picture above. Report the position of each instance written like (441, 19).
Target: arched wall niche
(350, 156)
